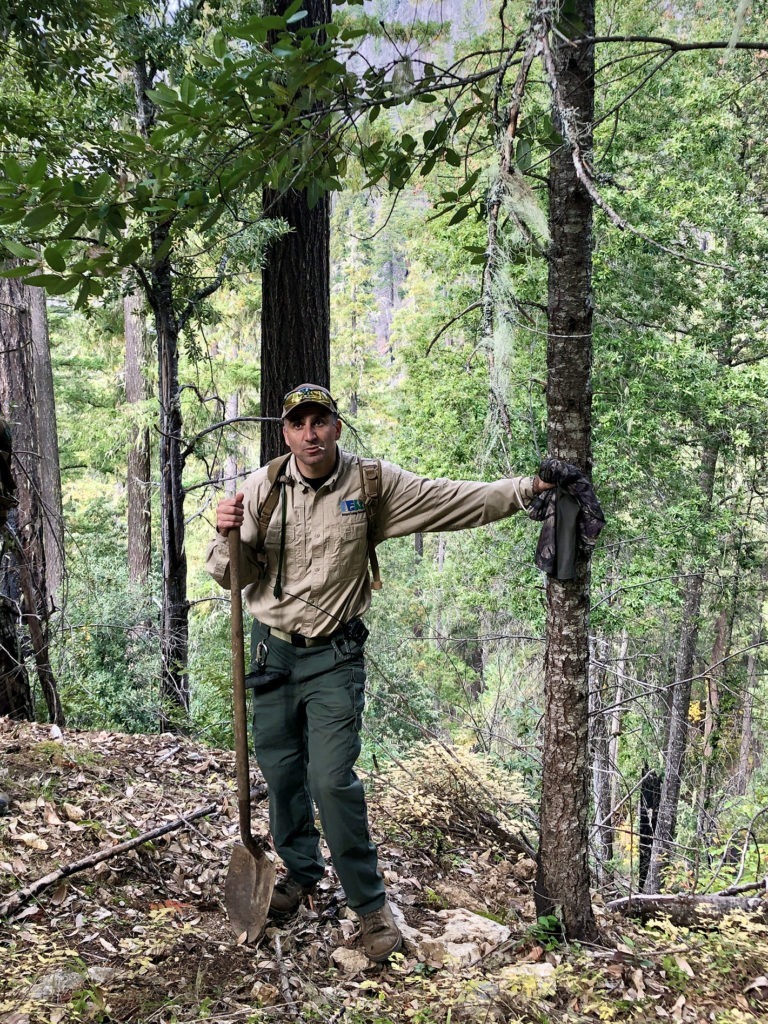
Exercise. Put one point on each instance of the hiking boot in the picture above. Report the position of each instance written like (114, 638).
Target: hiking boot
(288, 895)
(381, 936)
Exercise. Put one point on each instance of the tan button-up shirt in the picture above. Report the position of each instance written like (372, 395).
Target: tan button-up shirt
(325, 579)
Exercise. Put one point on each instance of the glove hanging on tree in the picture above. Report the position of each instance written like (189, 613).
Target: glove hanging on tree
(571, 515)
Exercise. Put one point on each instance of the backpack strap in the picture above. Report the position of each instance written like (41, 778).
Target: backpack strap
(275, 475)
(370, 486)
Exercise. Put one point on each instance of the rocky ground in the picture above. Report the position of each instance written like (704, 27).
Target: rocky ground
(142, 936)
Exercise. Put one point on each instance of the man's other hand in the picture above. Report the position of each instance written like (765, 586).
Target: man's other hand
(538, 485)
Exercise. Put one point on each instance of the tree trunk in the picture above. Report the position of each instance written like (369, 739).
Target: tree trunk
(296, 291)
(48, 441)
(712, 724)
(677, 741)
(139, 464)
(296, 308)
(174, 625)
(747, 754)
(15, 694)
(18, 397)
(600, 700)
(562, 884)
(174, 620)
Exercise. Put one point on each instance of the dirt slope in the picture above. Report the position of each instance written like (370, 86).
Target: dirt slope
(142, 937)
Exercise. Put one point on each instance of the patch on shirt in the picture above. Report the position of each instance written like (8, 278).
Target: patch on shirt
(351, 505)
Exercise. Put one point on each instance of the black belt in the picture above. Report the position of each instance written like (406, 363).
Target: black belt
(354, 629)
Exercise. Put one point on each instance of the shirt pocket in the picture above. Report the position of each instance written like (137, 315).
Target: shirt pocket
(352, 548)
(294, 556)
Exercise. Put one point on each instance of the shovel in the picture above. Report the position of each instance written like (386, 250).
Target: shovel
(251, 875)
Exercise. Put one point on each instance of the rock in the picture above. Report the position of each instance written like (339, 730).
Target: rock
(56, 985)
(524, 870)
(351, 961)
(458, 936)
(528, 979)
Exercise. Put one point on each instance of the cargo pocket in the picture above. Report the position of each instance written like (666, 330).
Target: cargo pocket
(358, 694)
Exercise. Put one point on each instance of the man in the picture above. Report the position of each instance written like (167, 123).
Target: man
(307, 591)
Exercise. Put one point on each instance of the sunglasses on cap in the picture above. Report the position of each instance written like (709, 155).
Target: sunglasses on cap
(307, 394)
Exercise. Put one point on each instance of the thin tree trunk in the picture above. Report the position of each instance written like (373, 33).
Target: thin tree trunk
(747, 753)
(615, 727)
(174, 626)
(48, 441)
(600, 700)
(139, 459)
(174, 621)
(712, 725)
(677, 741)
(563, 881)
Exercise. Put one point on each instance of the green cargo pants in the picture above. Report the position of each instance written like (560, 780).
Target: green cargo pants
(306, 734)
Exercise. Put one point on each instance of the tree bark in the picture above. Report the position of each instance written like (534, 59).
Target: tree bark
(296, 308)
(48, 440)
(562, 884)
(139, 457)
(296, 291)
(18, 396)
(174, 625)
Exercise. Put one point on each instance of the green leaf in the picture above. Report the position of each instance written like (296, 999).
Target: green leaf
(16, 271)
(40, 217)
(23, 252)
(36, 172)
(523, 154)
(52, 283)
(459, 216)
(130, 252)
(219, 44)
(73, 226)
(452, 158)
(468, 185)
(14, 170)
(55, 259)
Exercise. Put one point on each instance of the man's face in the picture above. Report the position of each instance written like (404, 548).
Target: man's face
(311, 433)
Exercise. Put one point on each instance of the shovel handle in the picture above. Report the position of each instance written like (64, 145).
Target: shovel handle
(238, 700)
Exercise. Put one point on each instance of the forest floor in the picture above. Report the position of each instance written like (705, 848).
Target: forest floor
(143, 938)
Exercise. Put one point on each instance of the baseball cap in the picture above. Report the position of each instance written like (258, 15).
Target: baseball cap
(308, 394)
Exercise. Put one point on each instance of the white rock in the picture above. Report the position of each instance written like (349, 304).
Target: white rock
(528, 979)
(351, 961)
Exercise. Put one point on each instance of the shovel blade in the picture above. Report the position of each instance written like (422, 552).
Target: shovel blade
(248, 890)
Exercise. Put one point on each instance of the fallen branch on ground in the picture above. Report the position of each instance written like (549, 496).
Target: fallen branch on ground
(21, 896)
(688, 910)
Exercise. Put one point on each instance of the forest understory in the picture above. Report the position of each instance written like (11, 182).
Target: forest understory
(142, 937)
